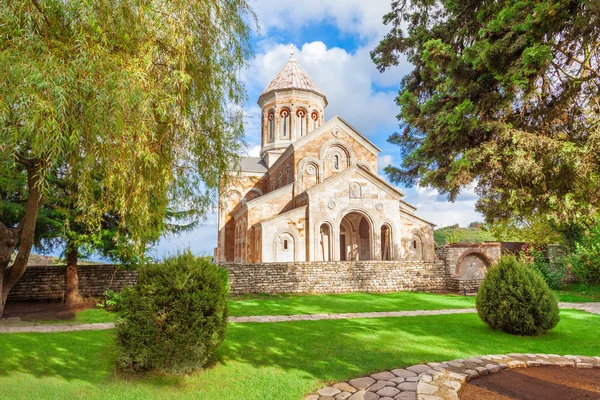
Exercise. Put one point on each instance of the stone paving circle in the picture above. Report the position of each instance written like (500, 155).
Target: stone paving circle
(440, 380)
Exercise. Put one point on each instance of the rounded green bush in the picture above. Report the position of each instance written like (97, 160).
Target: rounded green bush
(516, 299)
(175, 317)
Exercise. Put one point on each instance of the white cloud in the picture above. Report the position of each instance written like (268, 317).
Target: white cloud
(360, 17)
(346, 79)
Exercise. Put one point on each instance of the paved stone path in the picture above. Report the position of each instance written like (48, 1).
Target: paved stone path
(440, 381)
(12, 325)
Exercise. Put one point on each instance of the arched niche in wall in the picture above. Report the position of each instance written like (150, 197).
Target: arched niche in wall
(415, 247)
(386, 242)
(285, 246)
(472, 265)
(309, 173)
(335, 155)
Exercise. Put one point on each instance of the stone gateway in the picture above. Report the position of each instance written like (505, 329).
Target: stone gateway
(314, 193)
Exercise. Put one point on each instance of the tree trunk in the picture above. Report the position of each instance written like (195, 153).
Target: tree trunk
(72, 295)
(21, 235)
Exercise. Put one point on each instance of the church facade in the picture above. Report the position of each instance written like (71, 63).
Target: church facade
(314, 193)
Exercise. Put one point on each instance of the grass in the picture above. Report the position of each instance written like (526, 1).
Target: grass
(344, 303)
(579, 293)
(89, 316)
(271, 361)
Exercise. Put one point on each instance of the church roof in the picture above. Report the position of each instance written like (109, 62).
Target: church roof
(253, 164)
(293, 76)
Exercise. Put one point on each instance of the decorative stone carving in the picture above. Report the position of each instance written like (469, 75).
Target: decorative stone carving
(331, 205)
(336, 132)
(379, 206)
(355, 191)
(310, 169)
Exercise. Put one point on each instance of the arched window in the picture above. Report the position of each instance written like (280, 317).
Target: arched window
(285, 123)
(414, 244)
(301, 114)
(271, 126)
(336, 162)
(315, 117)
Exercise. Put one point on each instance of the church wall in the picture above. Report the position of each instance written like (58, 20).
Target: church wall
(337, 277)
(335, 202)
(289, 226)
(239, 189)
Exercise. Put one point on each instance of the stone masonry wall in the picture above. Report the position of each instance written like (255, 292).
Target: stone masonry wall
(49, 282)
(336, 277)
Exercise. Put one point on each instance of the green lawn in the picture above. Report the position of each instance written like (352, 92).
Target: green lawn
(344, 303)
(271, 361)
(579, 293)
(89, 316)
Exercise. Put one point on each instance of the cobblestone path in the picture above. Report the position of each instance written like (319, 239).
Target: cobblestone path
(14, 325)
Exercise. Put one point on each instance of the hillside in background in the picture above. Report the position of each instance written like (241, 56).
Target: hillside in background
(41, 260)
(455, 234)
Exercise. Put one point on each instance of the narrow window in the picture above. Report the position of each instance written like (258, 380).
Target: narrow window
(301, 115)
(285, 245)
(315, 118)
(414, 244)
(336, 162)
(271, 127)
(285, 114)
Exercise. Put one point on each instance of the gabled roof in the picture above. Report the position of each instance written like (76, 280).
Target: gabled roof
(337, 120)
(293, 76)
(360, 171)
(253, 164)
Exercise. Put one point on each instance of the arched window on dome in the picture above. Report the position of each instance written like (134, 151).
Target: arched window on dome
(301, 122)
(271, 126)
(315, 120)
(285, 123)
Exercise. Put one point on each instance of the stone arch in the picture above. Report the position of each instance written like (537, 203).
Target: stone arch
(292, 253)
(414, 246)
(365, 165)
(324, 243)
(331, 148)
(356, 232)
(472, 264)
(302, 118)
(302, 177)
(285, 123)
(252, 194)
(386, 242)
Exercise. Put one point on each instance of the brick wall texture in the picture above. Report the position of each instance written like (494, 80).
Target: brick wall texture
(49, 282)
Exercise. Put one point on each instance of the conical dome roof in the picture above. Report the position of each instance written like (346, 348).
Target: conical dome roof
(293, 76)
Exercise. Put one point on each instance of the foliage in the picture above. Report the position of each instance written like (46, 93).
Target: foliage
(136, 104)
(553, 271)
(175, 317)
(455, 234)
(534, 230)
(515, 299)
(585, 260)
(112, 301)
(504, 96)
(282, 361)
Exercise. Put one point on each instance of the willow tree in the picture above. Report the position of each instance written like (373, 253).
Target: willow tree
(503, 95)
(140, 99)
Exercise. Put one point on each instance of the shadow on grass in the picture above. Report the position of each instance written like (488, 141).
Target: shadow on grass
(344, 303)
(312, 351)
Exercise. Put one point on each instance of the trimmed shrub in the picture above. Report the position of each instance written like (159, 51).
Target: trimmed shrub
(175, 317)
(516, 299)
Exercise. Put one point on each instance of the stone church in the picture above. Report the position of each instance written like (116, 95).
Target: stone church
(314, 193)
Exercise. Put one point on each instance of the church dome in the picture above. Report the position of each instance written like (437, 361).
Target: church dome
(293, 76)
(292, 106)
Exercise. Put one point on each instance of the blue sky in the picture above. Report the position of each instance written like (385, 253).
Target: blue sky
(332, 41)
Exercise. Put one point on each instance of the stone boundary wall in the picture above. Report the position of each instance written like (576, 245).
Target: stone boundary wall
(49, 282)
(337, 277)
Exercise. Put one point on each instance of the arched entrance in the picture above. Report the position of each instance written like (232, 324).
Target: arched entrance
(355, 237)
